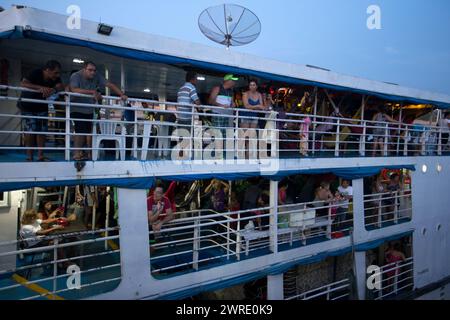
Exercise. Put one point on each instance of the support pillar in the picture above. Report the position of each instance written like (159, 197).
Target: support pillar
(275, 287)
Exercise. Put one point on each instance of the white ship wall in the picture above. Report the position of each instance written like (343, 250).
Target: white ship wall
(431, 208)
(8, 228)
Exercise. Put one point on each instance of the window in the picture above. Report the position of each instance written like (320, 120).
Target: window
(4, 199)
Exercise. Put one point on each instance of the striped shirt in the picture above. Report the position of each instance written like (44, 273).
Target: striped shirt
(187, 94)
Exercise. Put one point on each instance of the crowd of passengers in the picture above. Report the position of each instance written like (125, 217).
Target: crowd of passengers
(327, 196)
(256, 103)
(51, 217)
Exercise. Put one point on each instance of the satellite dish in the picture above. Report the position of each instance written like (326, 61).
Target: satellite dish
(230, 25)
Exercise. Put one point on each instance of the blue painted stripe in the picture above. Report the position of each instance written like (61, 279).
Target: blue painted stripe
(129, 183)
(345, 173)
(148, 182)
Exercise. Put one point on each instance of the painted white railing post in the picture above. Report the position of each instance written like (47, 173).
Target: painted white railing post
(67, 130)
(238, 237)
(329, 223)
(406, 140)
(396, 277)
(314, 125)
(399, 129)
(94, 209)
(439, 152)
(380, 292)
(386, 140)
(192, 144)
(274, 216)
(228, 238)
(236, 137)
(196, 247)
(362, 140)
(338, 130)
(423, 142)
(55, 264)
(135, 134)
(380, 210)
(107, 209)
(396, 195)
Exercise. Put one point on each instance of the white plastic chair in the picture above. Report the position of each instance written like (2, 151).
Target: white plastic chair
(108, 132)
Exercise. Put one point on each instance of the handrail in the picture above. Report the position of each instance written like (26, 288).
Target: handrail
(153, 102)
(283, 131)
(331, 287)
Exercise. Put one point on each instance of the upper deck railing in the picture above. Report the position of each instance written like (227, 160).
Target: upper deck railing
(210, 133)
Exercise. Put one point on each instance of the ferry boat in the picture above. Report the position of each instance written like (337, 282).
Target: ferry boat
(387, 239)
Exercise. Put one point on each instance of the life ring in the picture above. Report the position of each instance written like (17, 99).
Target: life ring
(386, 173)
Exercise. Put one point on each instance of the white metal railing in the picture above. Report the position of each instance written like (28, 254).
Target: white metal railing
(206, 236)
(396, 278)
(38, 267)
(387, 208)
(280, 134)
(339, 290)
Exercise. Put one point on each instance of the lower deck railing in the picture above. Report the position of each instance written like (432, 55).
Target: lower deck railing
(339, 290)
(65, 266)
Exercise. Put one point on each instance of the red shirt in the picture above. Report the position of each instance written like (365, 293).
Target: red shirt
(151, 206)
(169, 194)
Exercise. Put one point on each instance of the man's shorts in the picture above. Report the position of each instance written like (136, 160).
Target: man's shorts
(33, 124)
(82, 126)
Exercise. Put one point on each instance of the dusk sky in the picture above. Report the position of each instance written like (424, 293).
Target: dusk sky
(411, 49)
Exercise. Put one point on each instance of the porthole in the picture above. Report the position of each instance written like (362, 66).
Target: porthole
(424, 168)
(439, 227)
(424, 231)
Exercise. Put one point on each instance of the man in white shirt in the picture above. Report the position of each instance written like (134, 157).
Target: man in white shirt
(345, 191)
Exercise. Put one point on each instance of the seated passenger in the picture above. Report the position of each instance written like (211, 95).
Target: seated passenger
(159, 209)
(48, 213)
(219, 195)
(31, 227)
(323, 199)
(76, 210)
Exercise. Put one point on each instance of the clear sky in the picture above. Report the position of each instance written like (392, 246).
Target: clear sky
(411, 49)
